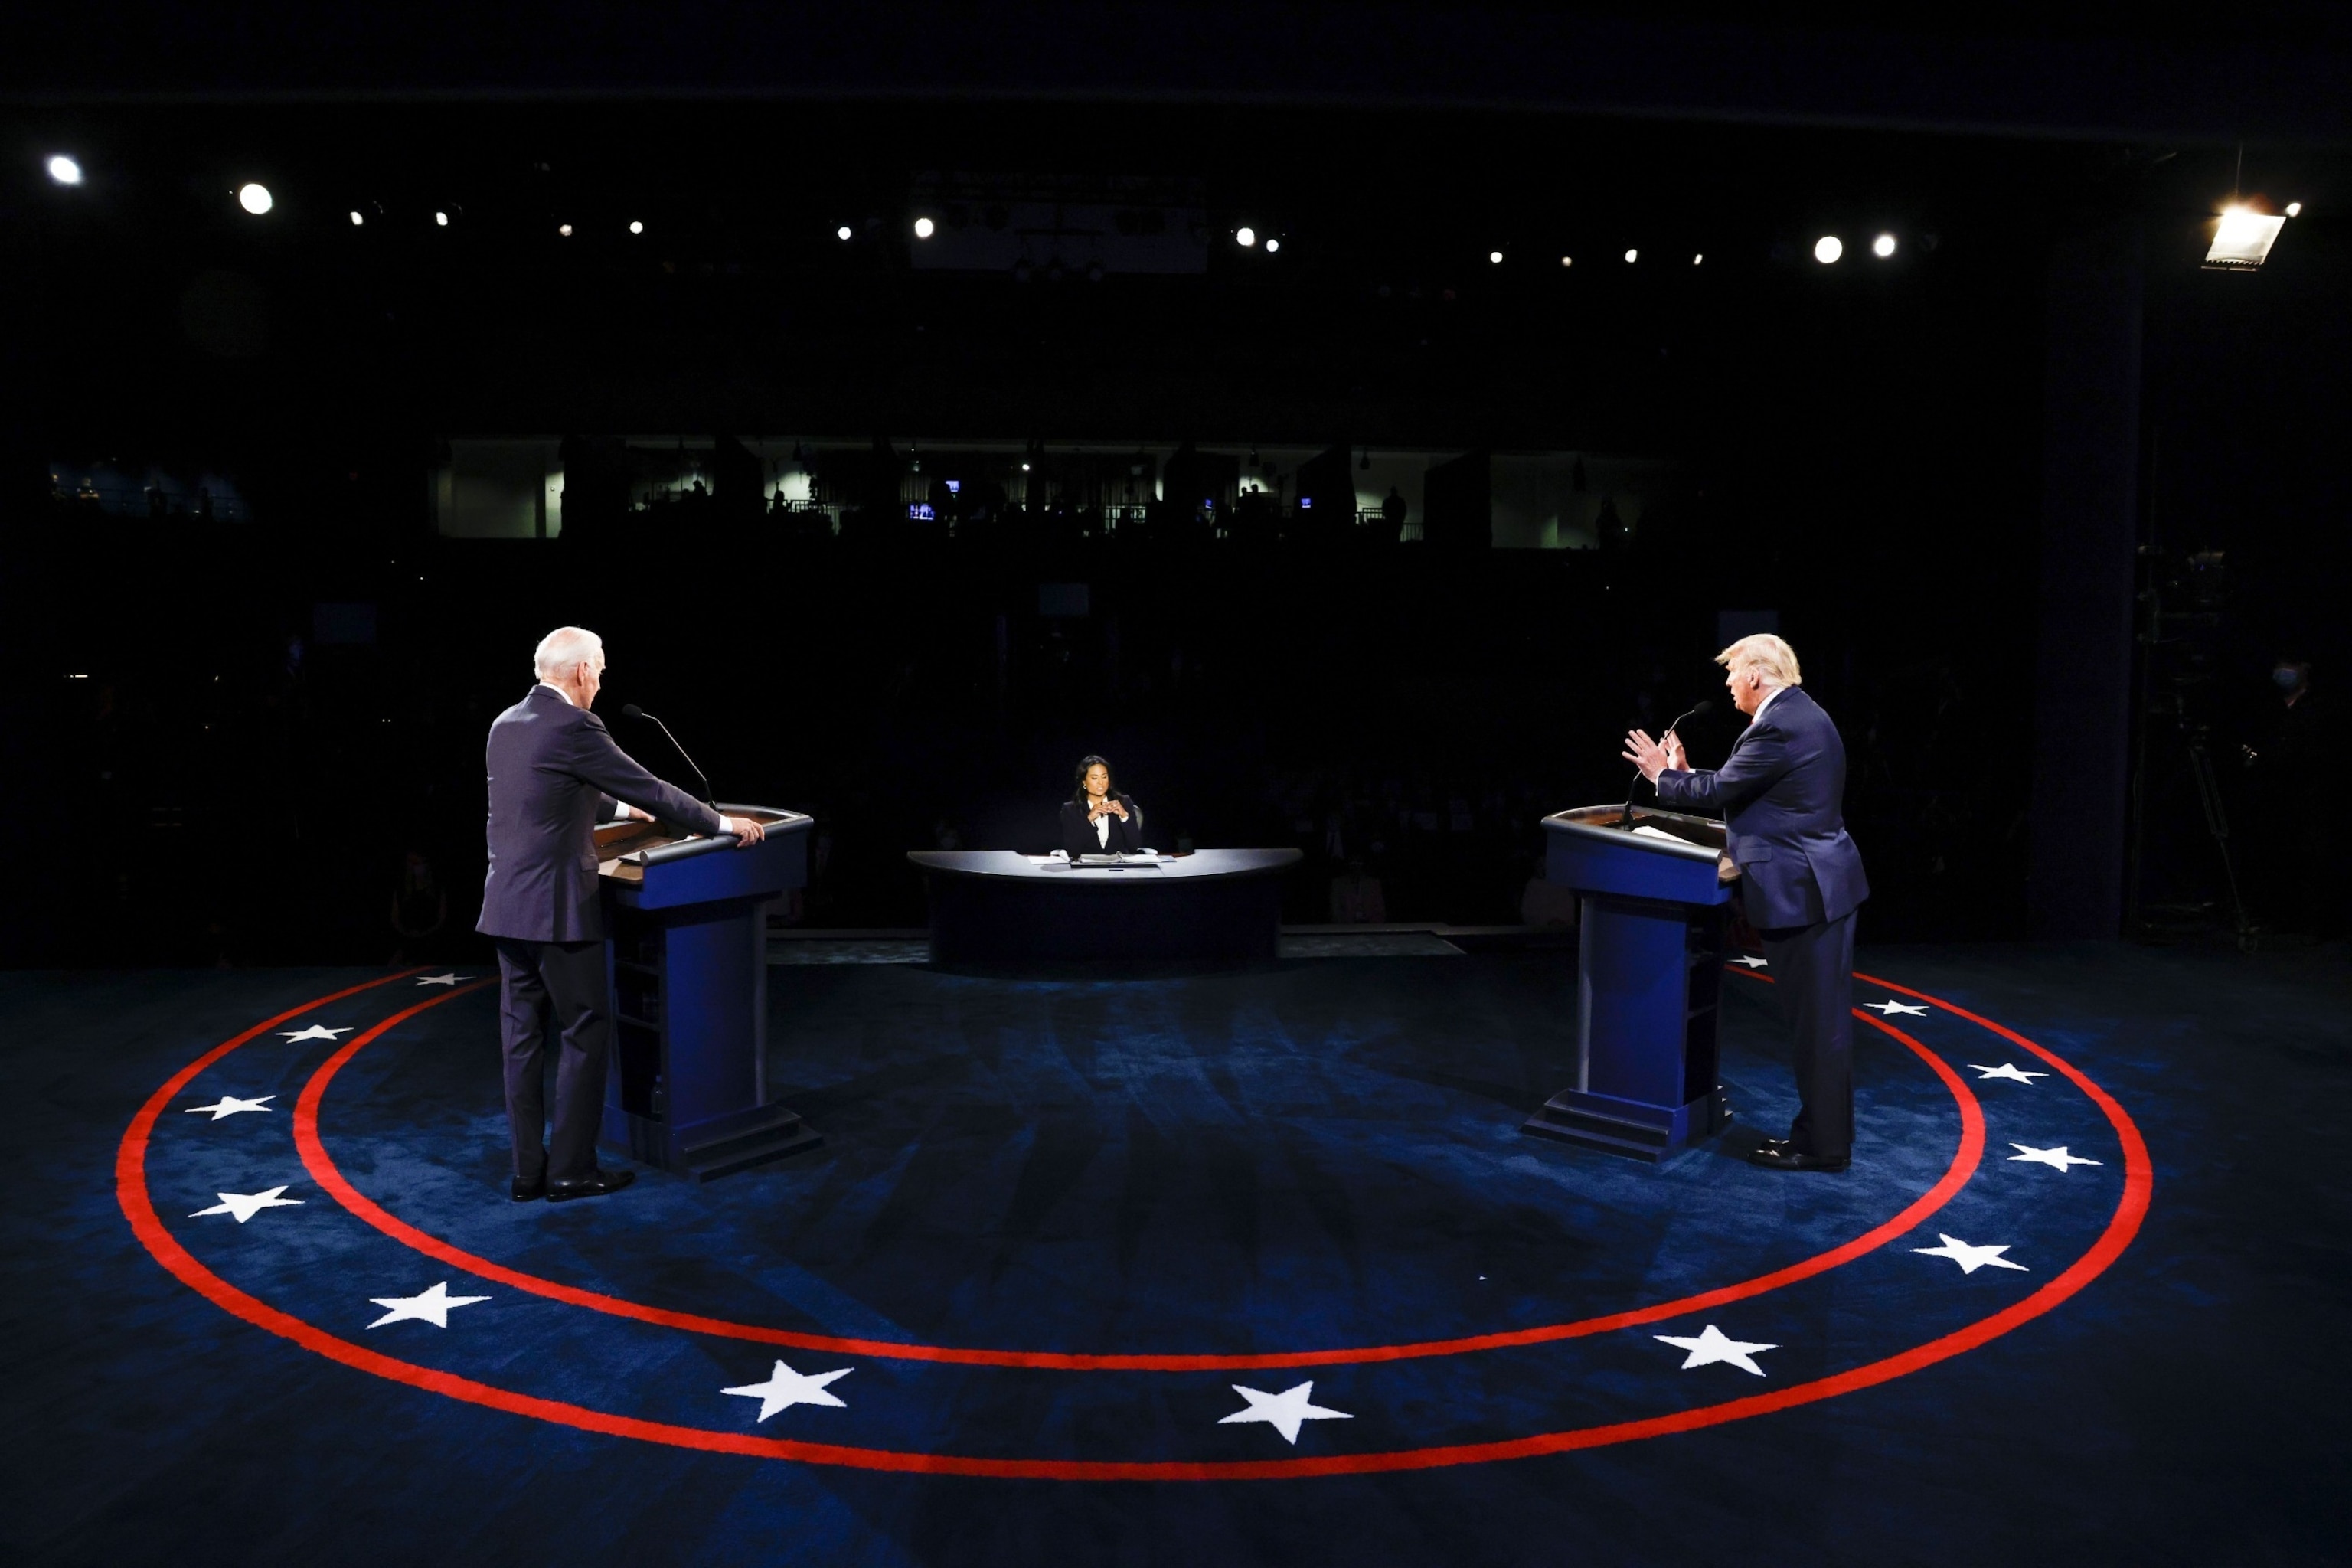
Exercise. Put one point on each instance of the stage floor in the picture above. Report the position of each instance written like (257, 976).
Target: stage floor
(1251, 1267)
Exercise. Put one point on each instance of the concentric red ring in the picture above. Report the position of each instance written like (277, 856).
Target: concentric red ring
(2122, 1226)
(323, 1170)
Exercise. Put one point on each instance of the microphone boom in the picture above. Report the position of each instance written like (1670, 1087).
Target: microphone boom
(631, 711)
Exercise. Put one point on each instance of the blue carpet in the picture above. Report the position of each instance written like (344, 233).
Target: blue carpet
(1313, 1156)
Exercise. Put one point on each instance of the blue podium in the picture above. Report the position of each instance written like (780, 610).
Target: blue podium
(1649, 976)
(686, 922)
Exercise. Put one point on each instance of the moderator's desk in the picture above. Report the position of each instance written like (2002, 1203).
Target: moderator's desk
(994, 907)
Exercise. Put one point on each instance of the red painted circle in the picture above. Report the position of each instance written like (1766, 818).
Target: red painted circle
(131, 1187)
(323, 1170)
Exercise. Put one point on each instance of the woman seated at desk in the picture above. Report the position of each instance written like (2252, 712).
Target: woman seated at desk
(1097, 819)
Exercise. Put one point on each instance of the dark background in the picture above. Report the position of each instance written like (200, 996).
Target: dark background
(1859, 448)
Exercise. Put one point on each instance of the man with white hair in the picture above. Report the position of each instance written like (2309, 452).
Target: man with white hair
(554, 773)
(1799, 876)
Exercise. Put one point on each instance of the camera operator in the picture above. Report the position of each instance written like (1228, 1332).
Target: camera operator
(2295, 858)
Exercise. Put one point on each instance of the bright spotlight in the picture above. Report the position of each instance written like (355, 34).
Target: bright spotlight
(1245, 238)
(441, 220)
(358, 218)
(1882, 247)
(1272, 246)
(564, 229)
(1567, 261)
(65, 171)
(1828, 248)
(2242, 239)
(255, 199)
(2294, 209)
(636, 226)
(1024, 467)
(1699, 257)
(923, 228)
(1632, 255)
(841, 233)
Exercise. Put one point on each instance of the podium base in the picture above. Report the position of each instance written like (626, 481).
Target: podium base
(1629, 1128)
(708, 1150)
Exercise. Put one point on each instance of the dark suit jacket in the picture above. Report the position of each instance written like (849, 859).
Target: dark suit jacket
(555, 774)
(1781, 793)
(1078, 834)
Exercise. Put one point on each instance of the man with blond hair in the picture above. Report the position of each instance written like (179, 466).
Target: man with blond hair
(1799, 876)
(554, 773)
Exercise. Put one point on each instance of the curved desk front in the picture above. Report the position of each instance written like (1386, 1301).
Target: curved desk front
(993, 906)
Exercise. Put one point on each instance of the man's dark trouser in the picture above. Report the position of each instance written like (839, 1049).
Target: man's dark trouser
(1813, 967)
(566, 980)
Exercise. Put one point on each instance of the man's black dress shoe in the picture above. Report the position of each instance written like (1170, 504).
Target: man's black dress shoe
(530, 1192)
(594, 1186)
(1774, 1155)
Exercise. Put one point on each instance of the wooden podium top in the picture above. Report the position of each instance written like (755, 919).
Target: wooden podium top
(624, 850)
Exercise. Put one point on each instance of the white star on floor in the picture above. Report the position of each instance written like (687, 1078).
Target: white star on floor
(315, 1032)
(434, 1307)
(227, 1106)
(2056, 1159)
(440, 980)
(245, 1206)
(2009, 1070)
(1284, 1412)
(1888, 1008)
(786, 1388)
(1713, 1346)
(1971, 1258)
(1747, 960)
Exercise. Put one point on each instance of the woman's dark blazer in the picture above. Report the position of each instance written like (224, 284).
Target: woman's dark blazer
(1078, 834)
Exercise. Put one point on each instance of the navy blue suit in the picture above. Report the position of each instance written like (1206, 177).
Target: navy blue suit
(555, 772)
(1781, 793)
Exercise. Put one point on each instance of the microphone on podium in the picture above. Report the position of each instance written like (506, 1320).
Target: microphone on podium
(1698, 710)
(631, 711)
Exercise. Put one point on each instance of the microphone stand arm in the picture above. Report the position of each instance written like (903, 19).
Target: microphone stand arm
(689, 761)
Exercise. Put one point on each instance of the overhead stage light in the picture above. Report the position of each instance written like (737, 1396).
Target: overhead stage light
(2242, 239)
(923, 228)
(564, 229)
(636, 227)
(441, 220)
(1632, 257)
(1245, 238)
(358, 218)
(1828, 248)
(65, 171)
(1696, 259)
(841, 233)
(2294, 209)
(1567, 261)
(1272, 246)
(255, 199)
(1495, 256)
(1882, 247)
